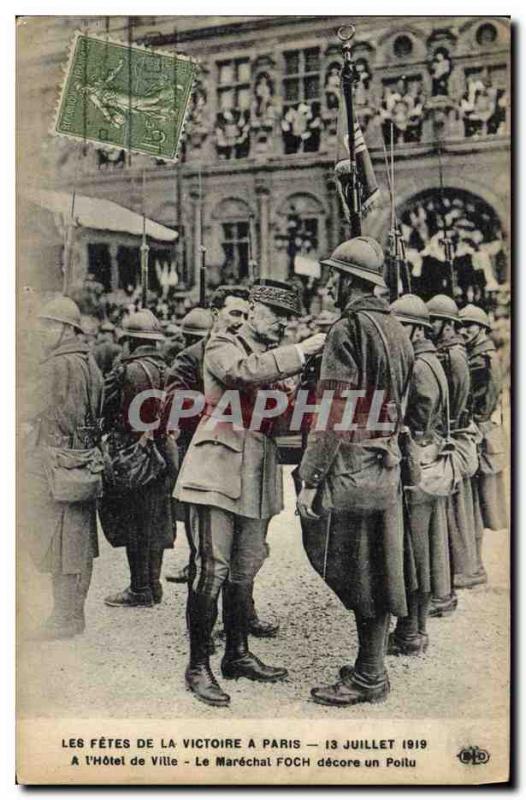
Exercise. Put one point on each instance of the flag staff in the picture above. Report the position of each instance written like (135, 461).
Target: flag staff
(144, 248)
(397, 266)
(202, 248)
(252, 263)
(349, 77)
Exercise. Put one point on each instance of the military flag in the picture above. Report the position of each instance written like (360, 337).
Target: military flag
(367, 188)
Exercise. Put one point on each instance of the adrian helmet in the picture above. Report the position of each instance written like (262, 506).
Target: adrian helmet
(63, 309)
(143, 325)
(197, 322)
(474, 314)
(411, 309)
(443, 307)
(362, 256)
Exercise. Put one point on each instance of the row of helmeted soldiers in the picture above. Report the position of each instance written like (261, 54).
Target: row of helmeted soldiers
(437, 364)
(453, 350)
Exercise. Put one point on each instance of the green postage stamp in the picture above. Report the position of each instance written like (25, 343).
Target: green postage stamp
(125, 96)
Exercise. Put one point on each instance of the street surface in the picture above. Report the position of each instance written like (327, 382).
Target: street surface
(130, 662)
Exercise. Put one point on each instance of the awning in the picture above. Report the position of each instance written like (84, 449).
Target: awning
(99, 214)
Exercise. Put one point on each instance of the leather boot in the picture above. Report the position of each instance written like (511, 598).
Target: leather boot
(199, 678)
(130, 599)
(179, 577)
(399, 646)
(443, 606)
(373, 638)
(405, 639)
(261, 629)
(468, 581)
(351, 691)
(238, 661)
(156, 563)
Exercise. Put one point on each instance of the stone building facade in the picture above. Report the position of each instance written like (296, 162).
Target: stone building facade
(255, 182)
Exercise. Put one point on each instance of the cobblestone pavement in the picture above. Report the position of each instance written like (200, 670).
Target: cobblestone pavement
(130, 662)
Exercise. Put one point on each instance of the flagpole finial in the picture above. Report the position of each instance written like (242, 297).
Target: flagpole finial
(346, 33)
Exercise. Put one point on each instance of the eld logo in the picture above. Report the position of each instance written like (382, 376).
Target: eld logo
(473, 755)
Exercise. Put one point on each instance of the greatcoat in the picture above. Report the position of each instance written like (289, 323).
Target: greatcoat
(460, 506)
(144, 511)
(64, 403)
(486, 381)
(360, 555)
(426, 515)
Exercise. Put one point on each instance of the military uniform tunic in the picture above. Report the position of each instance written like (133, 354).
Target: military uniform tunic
(231, 475)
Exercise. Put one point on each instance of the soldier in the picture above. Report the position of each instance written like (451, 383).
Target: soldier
(106, 350)
(425, 509)
(196, 325)
(233, 481)
(362, 540)
(486, 388)
(136, 512)
(175, 342)
(65, 409)
(443, 312)
(229, 309)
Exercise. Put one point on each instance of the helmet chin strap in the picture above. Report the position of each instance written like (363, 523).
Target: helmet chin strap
(62, 335)
(340, 300)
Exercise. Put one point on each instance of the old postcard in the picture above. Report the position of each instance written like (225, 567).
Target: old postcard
(263, 303)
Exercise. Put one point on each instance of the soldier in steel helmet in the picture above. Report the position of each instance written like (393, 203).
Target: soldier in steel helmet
(359, 550)
(106, 349)
(138, 518)
(65, 406)
(444, 316)
(196, 326)
(426, 418)
(232, 479)
(486, 388)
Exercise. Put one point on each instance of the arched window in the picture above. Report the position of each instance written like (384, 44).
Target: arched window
(486, 34)
(301, 229)
(402, 46)
(474, 232)
(233, 218)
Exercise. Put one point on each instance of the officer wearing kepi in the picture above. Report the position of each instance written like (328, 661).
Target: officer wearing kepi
(232, 479)
(353, 475)
(426, 418)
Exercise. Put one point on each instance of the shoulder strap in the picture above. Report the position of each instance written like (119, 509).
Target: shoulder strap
(86, 370)
(398, 400)
(444, 400)
(147, 372)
